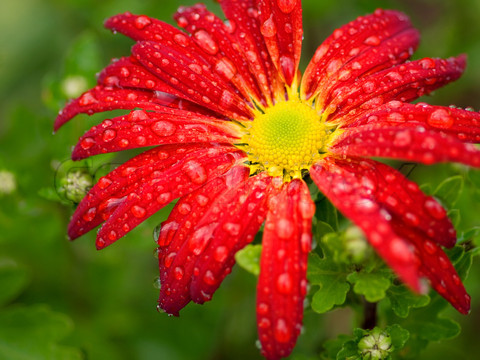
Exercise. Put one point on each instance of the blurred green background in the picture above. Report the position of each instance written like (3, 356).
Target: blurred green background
(63, 300)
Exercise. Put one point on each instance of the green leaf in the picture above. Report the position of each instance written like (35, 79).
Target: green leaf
(331, 278)
(13, 279)
(373, 286)
(333, 346)
(32, 333)
(402, 300)
(441, 329)
(349, 351)
(326, 212)
(249, 258)
(398, 335)
(449, 190)
(455, 216)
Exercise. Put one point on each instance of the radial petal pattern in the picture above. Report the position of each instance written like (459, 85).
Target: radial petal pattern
(232, 128)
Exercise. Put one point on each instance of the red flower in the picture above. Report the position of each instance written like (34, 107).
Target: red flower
(236, 128)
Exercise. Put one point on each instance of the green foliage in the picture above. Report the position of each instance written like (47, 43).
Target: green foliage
(249, 258)
(449, 190)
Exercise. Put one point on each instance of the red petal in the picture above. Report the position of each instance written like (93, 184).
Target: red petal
(405, 82)
(395, 216)
(101, 99)
(211, 34)
(243, 210)
(192, 76)
(245, 27)
(359, 48)
(281, 27)
(282, 284)
(140, 129)
(341, 182)
(179, 241)
(112, 189)
(183, 177)
(413, 144)
(462, 124)
(436, 266)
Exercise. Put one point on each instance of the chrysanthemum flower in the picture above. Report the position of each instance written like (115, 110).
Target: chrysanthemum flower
(236, 129)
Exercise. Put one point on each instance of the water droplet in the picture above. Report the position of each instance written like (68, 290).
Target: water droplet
(164, 198)
(109, 135)
(220, 254)
(226, 68)
(288, 66)
(286, 6)
(427, 63)
(281, 332)
(264, 323)
(87, 143)
(163, 128)
(209, 278)
(123, 143)
(150, 84)
(157, 284)
(412, 219)
(202, 200)
(268, 28)
(440, 119)
(197, 69)
(112, 235)
(284, 283)
(306, 242)
(138, 211)
(141, 140)
(184, 208)
(402, 138)
(368, 87)
(372, 40)
(206, 42)
(138, 115)
(178, 273)
(284, 228)
(306, 208)
(429, 247)
(181, 39)
(89, 215)
(200, 238)
(169, 259)
(142, 21)
(262, 309)
(435, 209)
(195, 171)
(231, 228)
(87, 99)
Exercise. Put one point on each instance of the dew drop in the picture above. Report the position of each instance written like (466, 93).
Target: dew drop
(178, 273)
(138, 211)
(206, 42)
(231, 228)
(104, 182)
(87, 143)
(157, 284)
(87, 99)
(109, 135)
(284, 283)
(220, 254)
(197, 69)
(202, 200)
(137, 115)
(89, 215)
(181, 39)
(268, 28)
(368, 87)
(123, 143)
(281, 332)
(112, 235)
(200, 238)
(429, 247)
(195, 171)
(150, 84)
(372, 40)
(435, 209)
(402, 138)
(264, 323)
(284, 228)
(306, 242)
(427, 63)
(169, 259)
(209, 278)
(124, 72)
(164, 198)
(142, 21)
(287, 6)
(262, 309)
(226, 68)
(163, 128)
(184, 208)
(440, 119)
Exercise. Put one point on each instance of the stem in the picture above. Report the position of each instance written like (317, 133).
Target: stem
(369, 315)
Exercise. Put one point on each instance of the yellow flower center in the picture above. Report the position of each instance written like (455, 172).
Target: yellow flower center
(285, 140)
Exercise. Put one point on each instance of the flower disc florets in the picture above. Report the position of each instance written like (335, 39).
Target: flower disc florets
(285, 139)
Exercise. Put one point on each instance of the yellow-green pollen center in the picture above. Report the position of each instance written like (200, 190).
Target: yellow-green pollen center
(285, 140)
